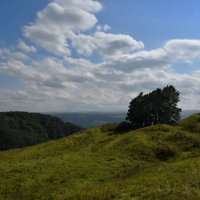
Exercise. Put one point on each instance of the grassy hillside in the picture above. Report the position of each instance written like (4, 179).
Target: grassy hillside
(157, 162)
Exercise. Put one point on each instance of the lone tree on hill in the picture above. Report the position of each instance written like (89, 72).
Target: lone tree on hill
(156, 107)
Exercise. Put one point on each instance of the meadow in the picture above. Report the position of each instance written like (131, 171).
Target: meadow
(155, 162)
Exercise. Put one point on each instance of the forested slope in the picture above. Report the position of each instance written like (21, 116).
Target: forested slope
(20, 129)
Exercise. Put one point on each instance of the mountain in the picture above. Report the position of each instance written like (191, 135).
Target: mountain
(20, 129)
(152, 163)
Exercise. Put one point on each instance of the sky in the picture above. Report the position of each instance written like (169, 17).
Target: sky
(75, 55)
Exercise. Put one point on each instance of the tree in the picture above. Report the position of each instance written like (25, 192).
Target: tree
(158, 106)
(171, 113)
(136, 111)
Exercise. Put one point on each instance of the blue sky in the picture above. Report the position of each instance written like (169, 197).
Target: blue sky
(70, 55)
(153, 21)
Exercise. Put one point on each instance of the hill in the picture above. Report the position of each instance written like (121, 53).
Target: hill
(156, 162)
(20, 129)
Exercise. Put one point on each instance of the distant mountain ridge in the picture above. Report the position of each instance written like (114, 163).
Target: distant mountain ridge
(186, 113)
(92, 119)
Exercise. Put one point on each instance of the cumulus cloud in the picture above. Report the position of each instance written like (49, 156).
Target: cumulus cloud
(64, 83)
(6, 53)
(104, 28)
(65, 21)
(142, 59)
(92, 6)
(182, 50)
(174, 51)
(25, 47)
(50, 82)
(105, 44)
(55, 24)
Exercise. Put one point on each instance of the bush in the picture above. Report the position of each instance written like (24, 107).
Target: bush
(109, 127)
(164, 153)
(123, 127)
(191, 123)
(116, 128)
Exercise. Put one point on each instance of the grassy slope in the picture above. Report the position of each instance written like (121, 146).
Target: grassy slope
(158, 162)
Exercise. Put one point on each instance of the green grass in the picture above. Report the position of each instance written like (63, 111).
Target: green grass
(157, 162)
(192, 123)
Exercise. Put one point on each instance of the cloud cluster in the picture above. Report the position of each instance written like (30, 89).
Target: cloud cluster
(105, 44)
(79, 84)
(64, 82)
(6, 53)
(182, 50)
(65, 21)
(174, 51)
(23, 46)
(59, 20)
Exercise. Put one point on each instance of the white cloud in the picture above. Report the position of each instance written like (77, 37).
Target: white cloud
(104, 28)
(25, 47)
(142, 59)
(67, 83)
(6, 53)
(92, 6)
(105, 44)
(65, 21)
(183, 50)
(56, 23)
(174, 51)
(49, 83)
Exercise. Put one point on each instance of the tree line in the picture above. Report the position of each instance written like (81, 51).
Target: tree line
(21, 129)
(156, 107)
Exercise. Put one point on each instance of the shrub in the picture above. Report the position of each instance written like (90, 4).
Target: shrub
(164, 153)
(109, 127)
(191, 123)
(123, 127)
